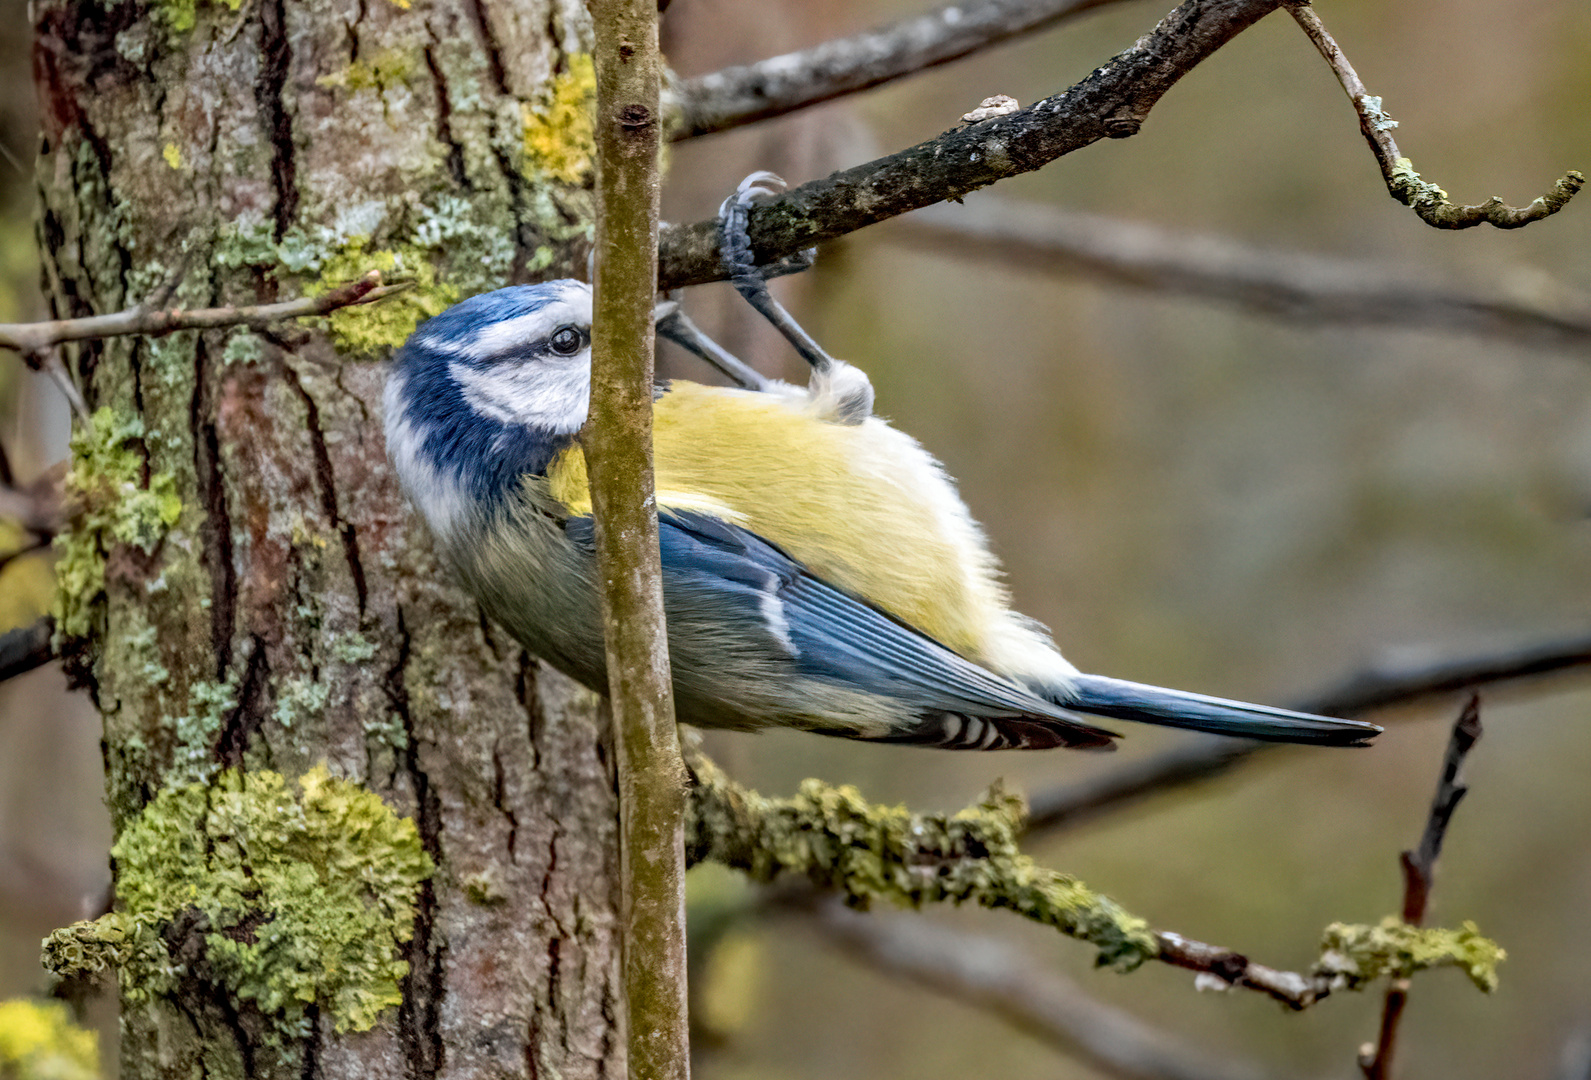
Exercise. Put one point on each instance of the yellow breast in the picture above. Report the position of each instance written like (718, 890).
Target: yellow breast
(862, 506)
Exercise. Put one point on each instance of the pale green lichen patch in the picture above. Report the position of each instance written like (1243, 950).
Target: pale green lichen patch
(445, 251)
(1354, 955)
(39, 1041)
(839, 841)
(559, 134)
(300, 899)
(110, 504)
(386, 70)
(196, 731)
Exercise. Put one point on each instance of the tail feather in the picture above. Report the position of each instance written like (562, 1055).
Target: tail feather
(1116, 698)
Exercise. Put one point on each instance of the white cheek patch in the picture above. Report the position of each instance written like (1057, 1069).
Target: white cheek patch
(553, 395)
(441, 501)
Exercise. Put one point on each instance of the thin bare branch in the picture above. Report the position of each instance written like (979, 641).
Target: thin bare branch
(26, 648)
(990, 975)
(1203, 757)
(1112, 102)
(1403, 183)
(1419, 874)
(617, 440)
(34, 338)
(1297, 286)
(782, 84)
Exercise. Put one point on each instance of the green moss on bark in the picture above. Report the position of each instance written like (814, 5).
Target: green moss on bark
(112, 504)
(299, 899)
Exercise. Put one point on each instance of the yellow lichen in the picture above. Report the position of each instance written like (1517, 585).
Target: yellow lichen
(559, 134)
(1356, 954)
(173, 155)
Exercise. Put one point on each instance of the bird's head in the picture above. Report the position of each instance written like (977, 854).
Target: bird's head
(488, 391)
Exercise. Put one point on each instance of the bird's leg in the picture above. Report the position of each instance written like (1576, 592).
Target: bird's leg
(750, 280)
(841, 392)
(674, 324)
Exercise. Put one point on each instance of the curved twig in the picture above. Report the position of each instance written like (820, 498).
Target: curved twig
(743, 95)
(1403, 183)
(36, 337)
(1111, 103)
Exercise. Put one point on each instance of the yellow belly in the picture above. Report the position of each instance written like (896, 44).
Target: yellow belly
(862, 506)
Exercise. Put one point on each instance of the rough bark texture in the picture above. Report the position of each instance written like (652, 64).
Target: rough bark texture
(294, 613)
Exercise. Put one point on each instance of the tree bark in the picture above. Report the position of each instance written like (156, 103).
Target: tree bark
(292, 612)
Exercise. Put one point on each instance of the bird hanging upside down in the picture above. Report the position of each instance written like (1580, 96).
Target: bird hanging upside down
(820, 570)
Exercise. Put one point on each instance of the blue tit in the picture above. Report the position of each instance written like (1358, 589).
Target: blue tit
(820, 570)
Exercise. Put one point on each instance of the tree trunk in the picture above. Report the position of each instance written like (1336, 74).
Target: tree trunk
(290, 612)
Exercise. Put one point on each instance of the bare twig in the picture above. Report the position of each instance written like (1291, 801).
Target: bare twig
(34, 338)
(26, 648)
(1419, 871)
(617, 441)
(1112, 102)
(1203, 757)
(1289, 285)
(782, 84)
(1403, 183)
(992, 976)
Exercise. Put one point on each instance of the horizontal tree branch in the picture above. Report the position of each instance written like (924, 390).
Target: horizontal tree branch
(835, 840)
(1297, 286)
(782, 84)
(991, 975)
(1112, 102)
(35, 337)
(1202, 757)
(26, 648)
(1403, 183)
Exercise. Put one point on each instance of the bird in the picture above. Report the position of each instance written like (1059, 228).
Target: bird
(820, 569)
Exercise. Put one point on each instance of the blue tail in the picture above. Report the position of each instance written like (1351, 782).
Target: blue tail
(1123, 700)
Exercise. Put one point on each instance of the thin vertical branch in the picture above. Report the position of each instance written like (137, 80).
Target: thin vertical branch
(618, 446)
(1419, 873)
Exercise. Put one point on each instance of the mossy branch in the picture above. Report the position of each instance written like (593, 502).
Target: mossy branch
(841, 843)
(1427, 200)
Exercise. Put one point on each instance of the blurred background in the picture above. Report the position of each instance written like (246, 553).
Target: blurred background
(1187, 493)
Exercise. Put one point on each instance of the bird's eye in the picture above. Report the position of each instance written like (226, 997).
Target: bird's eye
(566, 341)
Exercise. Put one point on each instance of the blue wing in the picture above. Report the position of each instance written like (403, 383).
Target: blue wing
(816, 631)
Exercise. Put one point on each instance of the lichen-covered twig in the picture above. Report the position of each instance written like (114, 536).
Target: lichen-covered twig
(1111, 103)
(1403, 183)
(31, 339)
(1419, 870)
(782, 84)
(1201, 758)
(837, 841)
(1290, 285)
